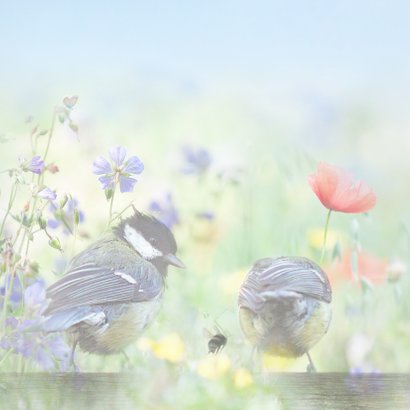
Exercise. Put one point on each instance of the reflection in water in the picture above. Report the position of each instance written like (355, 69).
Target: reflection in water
(287, 390)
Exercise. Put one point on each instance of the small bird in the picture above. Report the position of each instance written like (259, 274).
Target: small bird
(217, 341)
(284, 306)
(113, 289)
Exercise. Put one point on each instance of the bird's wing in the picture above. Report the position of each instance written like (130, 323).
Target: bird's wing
(283, 277)
(91, 284)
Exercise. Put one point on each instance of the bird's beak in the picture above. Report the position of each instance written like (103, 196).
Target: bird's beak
(174, 261)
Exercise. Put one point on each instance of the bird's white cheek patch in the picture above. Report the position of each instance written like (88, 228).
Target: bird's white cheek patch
(140, 244)
(125, 276)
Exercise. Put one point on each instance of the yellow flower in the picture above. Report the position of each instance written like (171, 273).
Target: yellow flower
(231, 283)
(204, 230)
(242, 378)
(213, 366)
(170, 347)
(315, 238)
(145, 344)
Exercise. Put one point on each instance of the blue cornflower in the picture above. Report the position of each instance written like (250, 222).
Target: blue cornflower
(118, 170)
(165, 210)
(35, 165)
(196, 161)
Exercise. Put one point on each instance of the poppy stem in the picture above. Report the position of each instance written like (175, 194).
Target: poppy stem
(325, 236)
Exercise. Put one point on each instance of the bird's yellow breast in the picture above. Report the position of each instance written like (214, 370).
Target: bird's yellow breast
(292, 341)
(124, 330)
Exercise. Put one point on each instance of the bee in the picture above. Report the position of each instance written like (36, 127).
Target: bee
(217, 341)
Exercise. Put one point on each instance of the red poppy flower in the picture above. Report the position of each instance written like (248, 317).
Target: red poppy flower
(371, 267)
(337, 190)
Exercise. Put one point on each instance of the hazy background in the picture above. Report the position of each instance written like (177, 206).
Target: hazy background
(270, 86)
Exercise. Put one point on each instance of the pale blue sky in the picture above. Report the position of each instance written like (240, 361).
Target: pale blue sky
(46, 45)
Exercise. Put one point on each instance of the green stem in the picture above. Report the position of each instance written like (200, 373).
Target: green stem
(111, 204)
(118, 215)
(5, 356)
(13, 193)
(75, 232)
(50, 134)
(325, 236)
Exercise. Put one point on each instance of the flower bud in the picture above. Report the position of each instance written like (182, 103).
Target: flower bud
(55, 243)
(63, 201)
(53, 168)
(42, 223)
(395, 271)
(109, 193)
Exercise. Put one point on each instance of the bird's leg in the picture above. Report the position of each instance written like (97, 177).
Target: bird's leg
(72, 362)
(127, 363)
(311, 367)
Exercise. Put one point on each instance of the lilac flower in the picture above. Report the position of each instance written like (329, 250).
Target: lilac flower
(16, 292)
(65, 217)
(35, 165)
(47, 193)
(45, 350)
(165, 210)
(196, 161)
(35, 298)
(208, 215)
(118, 170)
(356, 383)
(364, 370)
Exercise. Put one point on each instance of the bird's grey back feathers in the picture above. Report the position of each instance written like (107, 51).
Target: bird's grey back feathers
(100, 277)
(281, 277)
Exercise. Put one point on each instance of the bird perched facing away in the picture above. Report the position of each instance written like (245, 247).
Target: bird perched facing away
(113, 289)
(284, 306)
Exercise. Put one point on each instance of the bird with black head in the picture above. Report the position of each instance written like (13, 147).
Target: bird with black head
(113, 289)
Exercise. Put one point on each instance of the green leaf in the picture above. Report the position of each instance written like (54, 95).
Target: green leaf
(76, 216)
(354, 259)
(366, 284)
(337, 251)
(2, 242)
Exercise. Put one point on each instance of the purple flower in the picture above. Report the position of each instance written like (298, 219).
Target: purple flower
(165, 210)
(196, 161)
(46, 350)
(47, 193)
(35, 165)
(35, 298)
(118, 170)
(16, 291)
(356, 383)
(208, 215)
(65, 217)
